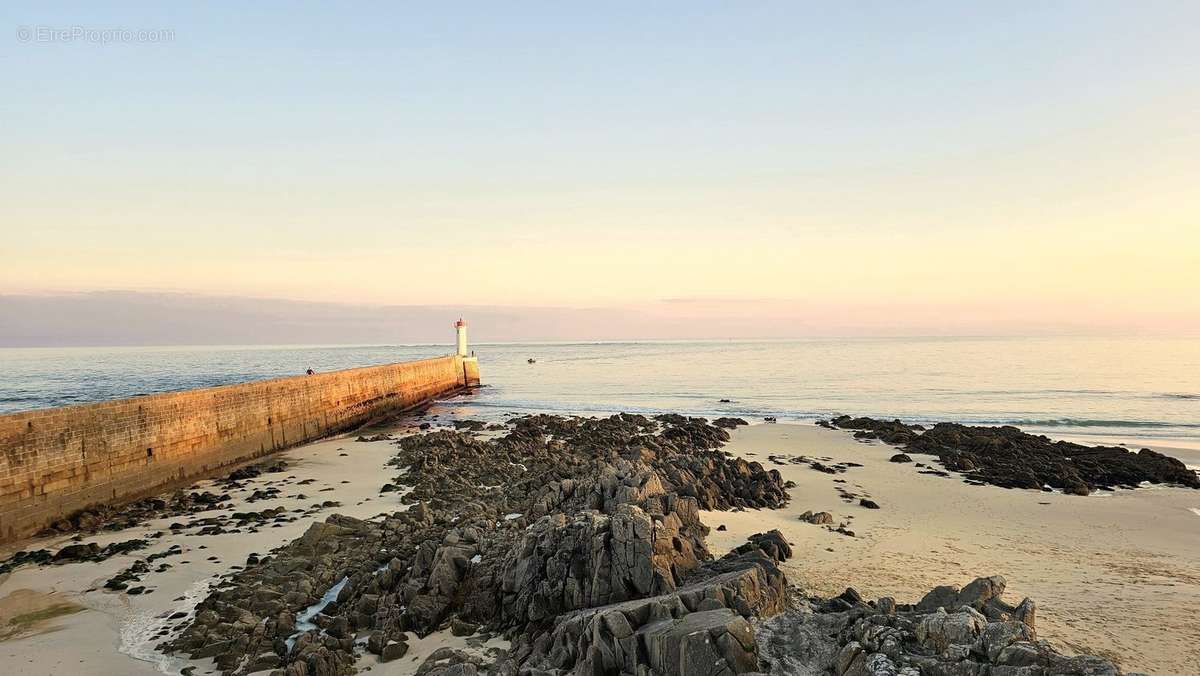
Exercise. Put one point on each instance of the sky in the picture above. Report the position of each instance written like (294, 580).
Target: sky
(638, 170)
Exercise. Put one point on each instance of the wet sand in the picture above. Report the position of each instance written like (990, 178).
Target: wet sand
(1116, 574)
(114, 632)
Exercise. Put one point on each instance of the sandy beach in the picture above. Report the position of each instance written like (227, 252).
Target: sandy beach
(1116, 574)
(95, 631)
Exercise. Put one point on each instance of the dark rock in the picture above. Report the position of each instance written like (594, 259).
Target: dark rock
(88, 552)
(1007, 457)
(393, 651)
(943, 635)
(818, 518)
(712, 641)
(460, 628)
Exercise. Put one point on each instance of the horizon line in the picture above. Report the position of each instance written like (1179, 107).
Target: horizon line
(449, 344)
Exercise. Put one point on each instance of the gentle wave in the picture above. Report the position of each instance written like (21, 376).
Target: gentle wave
(1162, 427)
(1052, 392)
(140, 631)
(1065, 388)
(1077, 422)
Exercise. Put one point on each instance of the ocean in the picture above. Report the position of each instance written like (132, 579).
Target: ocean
(1096, 390)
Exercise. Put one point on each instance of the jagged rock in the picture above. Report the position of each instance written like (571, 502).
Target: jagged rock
(818, 518)
(871, 664)
(593, 559)
(771, 543)
(997, 636)
(940, 630)
(1006, 456)
(614, 637)
(944, 634)
(709, 642)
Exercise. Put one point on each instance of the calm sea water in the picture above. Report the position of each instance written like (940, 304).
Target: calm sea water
(1094, 389)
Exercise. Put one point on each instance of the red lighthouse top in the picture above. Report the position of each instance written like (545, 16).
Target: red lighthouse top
(460, 323)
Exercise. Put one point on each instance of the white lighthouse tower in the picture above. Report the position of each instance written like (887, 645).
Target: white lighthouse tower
(460, 329)
(470, 365)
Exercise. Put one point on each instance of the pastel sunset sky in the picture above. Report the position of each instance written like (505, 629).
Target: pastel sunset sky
(684, 168)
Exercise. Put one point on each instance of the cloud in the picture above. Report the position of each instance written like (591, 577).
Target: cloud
(716, 300)
(143, 318)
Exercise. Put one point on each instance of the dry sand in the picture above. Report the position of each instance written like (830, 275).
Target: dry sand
(1116, 574)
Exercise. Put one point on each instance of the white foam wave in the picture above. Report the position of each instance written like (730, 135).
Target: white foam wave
(139, 632)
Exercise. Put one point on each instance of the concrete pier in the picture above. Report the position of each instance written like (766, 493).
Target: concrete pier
(54, 462)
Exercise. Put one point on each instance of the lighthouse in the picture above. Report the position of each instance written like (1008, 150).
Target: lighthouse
(460, 330)
(470, 365)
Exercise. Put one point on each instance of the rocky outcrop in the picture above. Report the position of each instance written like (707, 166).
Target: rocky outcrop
(114, 518)
(559, 517)
(580, 541)
(594, 559)
(888, 431)
(950, 632)
(72, 553)
(1006, 456)
(702, 627)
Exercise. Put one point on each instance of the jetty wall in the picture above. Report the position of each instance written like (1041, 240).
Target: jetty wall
(54, 462)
